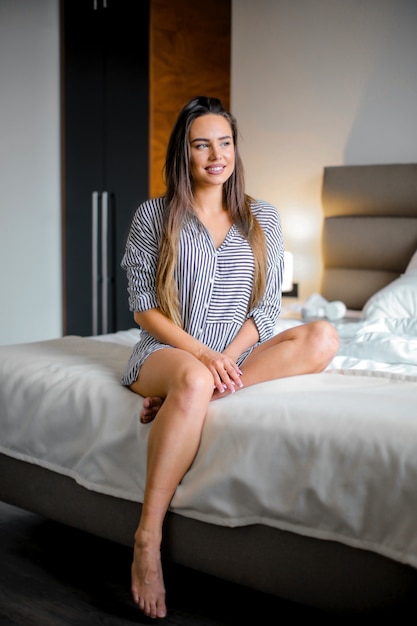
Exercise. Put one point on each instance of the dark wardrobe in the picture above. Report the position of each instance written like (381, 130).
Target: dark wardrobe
(105, 104)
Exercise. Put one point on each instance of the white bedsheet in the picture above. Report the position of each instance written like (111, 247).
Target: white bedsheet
(331, 455)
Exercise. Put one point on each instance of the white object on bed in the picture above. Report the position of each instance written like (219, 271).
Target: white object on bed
(316, 307)
(412, 264)
(398, 300)
(62, 407)
(385, 339)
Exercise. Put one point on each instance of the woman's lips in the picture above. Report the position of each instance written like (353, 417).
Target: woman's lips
(215, 169)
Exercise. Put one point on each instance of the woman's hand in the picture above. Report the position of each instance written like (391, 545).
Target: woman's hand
(226, 374)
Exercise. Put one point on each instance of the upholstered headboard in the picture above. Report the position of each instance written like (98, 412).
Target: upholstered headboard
(369, 228)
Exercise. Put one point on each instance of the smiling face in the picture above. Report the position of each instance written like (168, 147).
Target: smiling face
(212, 150)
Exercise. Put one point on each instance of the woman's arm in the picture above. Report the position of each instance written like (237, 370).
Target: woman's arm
(247, 336)
(164, 330)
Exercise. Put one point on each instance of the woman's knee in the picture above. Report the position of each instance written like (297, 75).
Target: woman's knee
(193, 378)
(324, 339)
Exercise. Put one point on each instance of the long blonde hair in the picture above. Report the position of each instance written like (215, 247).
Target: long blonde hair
(179, 202)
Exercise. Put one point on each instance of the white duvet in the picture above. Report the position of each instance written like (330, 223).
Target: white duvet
(330, 455)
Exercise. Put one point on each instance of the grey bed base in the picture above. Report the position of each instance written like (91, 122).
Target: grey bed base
(322, 574)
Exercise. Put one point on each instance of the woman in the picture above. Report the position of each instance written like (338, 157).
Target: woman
(204, 267)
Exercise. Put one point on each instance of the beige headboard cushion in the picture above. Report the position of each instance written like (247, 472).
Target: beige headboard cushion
(369, 228)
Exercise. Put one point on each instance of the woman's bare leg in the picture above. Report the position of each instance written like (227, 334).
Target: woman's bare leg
(178, 396)
(304, 349)
(186, 386)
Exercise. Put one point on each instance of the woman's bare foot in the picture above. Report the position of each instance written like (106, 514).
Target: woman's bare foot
(151, 406)
(148, 589)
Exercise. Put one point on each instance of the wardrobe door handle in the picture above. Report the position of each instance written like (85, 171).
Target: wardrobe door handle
(104, 262)
(94, 262)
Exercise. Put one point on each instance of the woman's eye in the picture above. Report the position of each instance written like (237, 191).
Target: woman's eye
(204, 146)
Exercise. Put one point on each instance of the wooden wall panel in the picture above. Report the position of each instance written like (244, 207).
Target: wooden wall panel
(190, 43)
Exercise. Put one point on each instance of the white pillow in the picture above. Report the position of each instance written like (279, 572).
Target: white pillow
(412, 265)
(396, 300)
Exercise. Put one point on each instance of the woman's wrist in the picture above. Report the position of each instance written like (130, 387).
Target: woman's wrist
(229, 353)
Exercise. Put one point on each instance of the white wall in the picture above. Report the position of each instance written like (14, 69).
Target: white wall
(30, 204)
(316, 83)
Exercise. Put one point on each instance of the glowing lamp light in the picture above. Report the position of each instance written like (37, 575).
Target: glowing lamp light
(287, 282)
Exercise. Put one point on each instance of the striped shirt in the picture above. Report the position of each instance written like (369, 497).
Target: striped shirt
(214, 285)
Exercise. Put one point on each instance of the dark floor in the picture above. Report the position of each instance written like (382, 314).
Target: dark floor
(52, 575)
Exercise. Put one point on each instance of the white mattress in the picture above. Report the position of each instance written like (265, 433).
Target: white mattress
(330, 455)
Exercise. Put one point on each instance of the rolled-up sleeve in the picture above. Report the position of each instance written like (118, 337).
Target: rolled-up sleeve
(141, 257)
(266, 313)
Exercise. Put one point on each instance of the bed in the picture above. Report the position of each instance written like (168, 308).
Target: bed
(304, 488)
